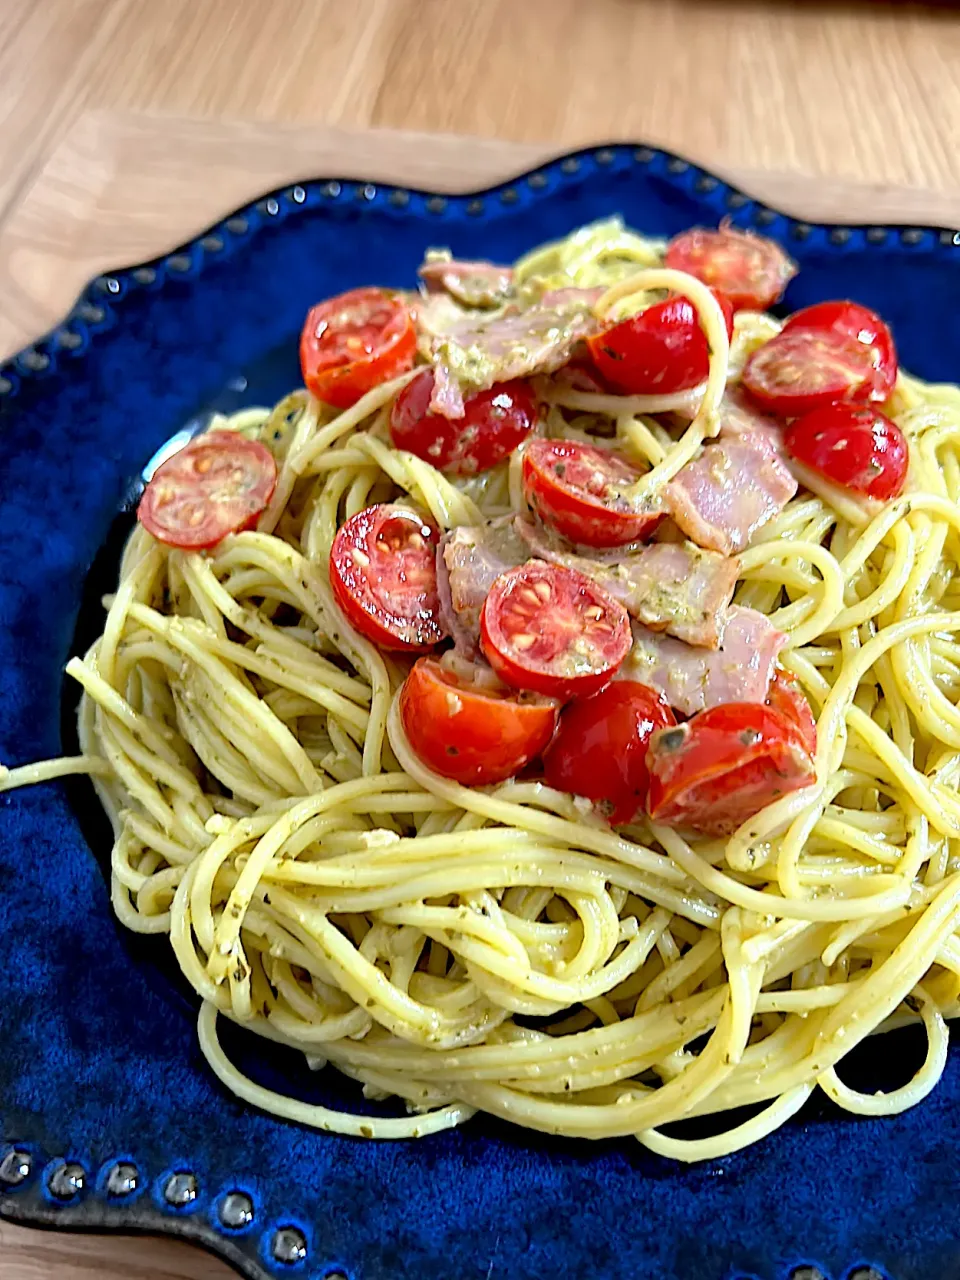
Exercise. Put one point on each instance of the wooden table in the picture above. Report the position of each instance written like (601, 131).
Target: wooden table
(122, 137)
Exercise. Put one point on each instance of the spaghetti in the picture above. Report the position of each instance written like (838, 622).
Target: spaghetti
(502, 948)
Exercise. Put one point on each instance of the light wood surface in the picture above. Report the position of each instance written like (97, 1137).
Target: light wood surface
(127, 125)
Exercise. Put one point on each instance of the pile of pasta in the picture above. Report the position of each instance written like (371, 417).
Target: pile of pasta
(502, 949)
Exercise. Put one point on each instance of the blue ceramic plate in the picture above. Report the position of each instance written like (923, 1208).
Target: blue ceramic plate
(108, 1115)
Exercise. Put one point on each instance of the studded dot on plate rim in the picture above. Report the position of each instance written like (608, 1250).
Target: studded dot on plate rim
(66, 1180)
(15, 1167)
(123, 1178)
(236, 1210)
(180, 1189)
(289, 1245)
(90, 312)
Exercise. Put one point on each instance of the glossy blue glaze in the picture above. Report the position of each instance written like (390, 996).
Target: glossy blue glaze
(98, 1055)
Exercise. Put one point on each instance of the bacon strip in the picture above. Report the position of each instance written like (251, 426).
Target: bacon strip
(469, 561)
(668, 586)
(736, 485)
(693, 679)
(474, 284)
(470, 351)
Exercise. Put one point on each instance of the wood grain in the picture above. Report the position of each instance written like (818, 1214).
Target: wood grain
(26, 1254)
(127, 125)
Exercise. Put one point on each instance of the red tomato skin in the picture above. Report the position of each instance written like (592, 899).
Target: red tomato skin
(864, 326)
(600, 748)
(659, 351)
(472, 737)
(362, 591)
(837, 367)
(857, 449)
(387, 350)
(494, 423)
(724, 765)
(555, 623)
(751, 270)
(786, 696)
(195, 471)
(589, 516)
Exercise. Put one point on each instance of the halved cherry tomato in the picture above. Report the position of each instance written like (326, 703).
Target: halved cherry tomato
(600, 749)
(659, 351)
(786, 696)
(865, 327)
(584, 493)
(858, 449)
(472, 733)
(553, 630)
(494, 422)
(218, 484)
(383, 572)
(723, 766)
(750, 270)
(353, 342)
(805, 369)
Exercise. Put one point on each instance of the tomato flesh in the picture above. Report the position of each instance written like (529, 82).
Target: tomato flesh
(383, 573)
(750, 270)
(600, 748)
(584, 493)
(553, 630)
(786, 696)
(724, 765)
(354, 342)
(659, 351)
(805, 369)
(857, 449)
(863, 326)
(474, 735)
(494, 422)
(218, 484)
